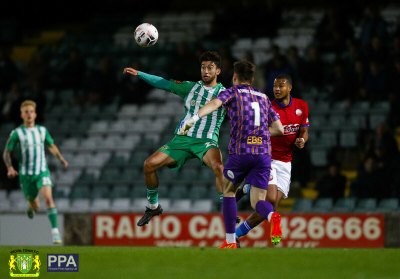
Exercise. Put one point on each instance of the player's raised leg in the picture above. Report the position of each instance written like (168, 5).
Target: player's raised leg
(151, 165)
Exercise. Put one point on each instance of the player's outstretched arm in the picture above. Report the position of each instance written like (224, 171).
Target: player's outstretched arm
(131, 71)
(207, 109)
(11, 172)
(276, 128)
(153, 80)
(56, 153)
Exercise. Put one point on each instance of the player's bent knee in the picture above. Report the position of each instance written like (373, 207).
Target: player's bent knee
(149, 165)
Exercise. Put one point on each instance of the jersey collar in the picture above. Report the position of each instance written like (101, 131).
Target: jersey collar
(282, 105)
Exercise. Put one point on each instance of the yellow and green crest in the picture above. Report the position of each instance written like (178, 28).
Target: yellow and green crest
(24, 263)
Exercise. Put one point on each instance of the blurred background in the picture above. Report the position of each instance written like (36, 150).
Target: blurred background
(68, 56)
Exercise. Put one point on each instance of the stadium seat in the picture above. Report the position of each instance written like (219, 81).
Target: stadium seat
(121, 205)
(99, 127)
(80, 205)
(165, 203)
(139, 191)
(344, 205)
(388, 205)
(366, 205)
(348, 139)
(178, 192)
(376, 119)
(201, 206)
(100, 205)
(110, 175)
(139, 204)
(360, 107)
(357, 120)
(318, 157)
(323, 205)
(100, 191)
(63, 205)
(302, 205)
(137, 158)
(199, 192)
(80, 192)
(120, 191)
(181, 205)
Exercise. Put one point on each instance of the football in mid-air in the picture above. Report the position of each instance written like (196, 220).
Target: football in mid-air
(146, 35)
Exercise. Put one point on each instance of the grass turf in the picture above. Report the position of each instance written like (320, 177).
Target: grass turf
(192, 263)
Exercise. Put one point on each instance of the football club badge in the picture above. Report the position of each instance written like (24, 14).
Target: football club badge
(24, 263)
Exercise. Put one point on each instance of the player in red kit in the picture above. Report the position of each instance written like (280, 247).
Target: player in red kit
(293, 113)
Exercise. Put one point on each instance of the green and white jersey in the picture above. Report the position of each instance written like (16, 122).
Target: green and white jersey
(195, 96)
(31, 143)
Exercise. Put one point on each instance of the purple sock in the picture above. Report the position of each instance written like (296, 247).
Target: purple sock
(264, 208)
(229, 209)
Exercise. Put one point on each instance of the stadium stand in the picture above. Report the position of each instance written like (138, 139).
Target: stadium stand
(106, 138)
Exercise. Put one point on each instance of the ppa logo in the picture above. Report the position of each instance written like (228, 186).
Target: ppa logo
(62, 262)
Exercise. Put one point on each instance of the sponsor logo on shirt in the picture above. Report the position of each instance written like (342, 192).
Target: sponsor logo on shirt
(291, 129)
(254, 140)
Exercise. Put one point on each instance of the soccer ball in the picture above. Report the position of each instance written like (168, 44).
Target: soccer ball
(146, 35)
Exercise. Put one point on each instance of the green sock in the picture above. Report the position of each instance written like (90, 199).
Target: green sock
(52, 214)
(152, 195)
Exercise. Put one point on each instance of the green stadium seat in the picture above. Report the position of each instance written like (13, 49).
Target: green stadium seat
(344, 205)
(80, 192)
(120, 191)
(303, 205)
(388, 205)
(366, 205)
(110, 175)
(100, 205)
(100, 191)
(323, 205)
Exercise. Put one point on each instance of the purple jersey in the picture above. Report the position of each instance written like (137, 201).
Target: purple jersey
(250, 114)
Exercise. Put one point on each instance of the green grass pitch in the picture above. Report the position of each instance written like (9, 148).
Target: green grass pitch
(192, 263)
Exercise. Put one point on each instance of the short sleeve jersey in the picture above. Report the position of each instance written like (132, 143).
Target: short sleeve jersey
(293, 117)
(250, 114)
(31, 143)
(195, 95)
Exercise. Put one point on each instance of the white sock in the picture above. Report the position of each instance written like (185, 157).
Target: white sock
(269, 216)
(230, 237)
(153, 206)
(55, 231)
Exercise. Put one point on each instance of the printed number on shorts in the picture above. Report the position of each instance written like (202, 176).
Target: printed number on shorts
(46, 181)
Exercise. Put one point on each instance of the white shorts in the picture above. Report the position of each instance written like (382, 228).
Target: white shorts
(280, 176)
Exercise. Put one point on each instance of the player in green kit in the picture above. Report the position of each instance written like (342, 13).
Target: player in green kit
(33, 173)
(201, 141)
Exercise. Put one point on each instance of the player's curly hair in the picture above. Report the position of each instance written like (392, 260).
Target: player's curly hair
(211, 56)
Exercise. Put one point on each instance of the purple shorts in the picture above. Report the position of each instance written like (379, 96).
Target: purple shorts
(254, 168)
